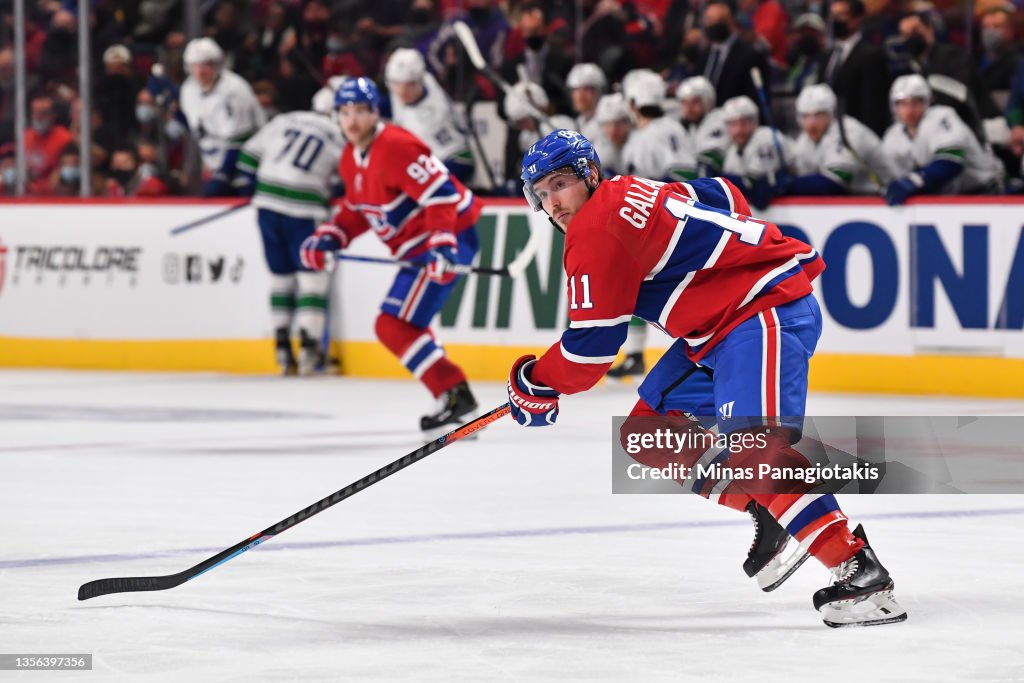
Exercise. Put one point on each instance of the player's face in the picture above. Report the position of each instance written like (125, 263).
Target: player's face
(561, 195)
(407, 93)
(617, 131)
(205, 73)
(584, 99)
(693, 109)
(910, 111)
(740, 130)
(815, 124)
(358, 122)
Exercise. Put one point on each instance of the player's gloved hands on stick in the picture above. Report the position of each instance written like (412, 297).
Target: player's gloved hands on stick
(317, 251)
(532, 405)
(219, 185)
(441, 258)
(901, 190)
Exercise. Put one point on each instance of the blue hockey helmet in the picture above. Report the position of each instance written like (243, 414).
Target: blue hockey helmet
(358, 90)
(555, 150)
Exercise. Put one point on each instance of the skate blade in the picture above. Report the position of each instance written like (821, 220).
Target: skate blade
(868, 610)
(775, 573)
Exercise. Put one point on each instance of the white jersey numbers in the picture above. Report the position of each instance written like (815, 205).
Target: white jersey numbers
(424, 168)
(584, 289)
(750, 231)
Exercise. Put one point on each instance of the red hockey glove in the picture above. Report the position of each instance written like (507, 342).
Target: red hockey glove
(441, 258)
(317, 251)
(532, 405)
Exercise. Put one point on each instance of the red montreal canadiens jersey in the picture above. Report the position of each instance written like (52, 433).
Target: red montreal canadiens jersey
(685, 257)
(402, 192)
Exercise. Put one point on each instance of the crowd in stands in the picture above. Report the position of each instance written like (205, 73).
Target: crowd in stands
(848, 85)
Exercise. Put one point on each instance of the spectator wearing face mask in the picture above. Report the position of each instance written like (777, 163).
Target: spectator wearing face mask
(998, 58)
(159, 130)
(947, 68)
(543, 62)
(130, 178)
(116, 88)
(806, 56)
(45, 140)
(856, 70)
(66, 179)
(728, 61)
(8, 171)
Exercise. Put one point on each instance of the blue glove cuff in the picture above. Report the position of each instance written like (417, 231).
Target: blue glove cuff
(816, 185)
(937, 173)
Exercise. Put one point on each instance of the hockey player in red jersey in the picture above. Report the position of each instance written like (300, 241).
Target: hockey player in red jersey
(736, 295)
(405, 195)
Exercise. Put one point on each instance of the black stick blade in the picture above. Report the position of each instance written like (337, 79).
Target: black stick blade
(99, 587)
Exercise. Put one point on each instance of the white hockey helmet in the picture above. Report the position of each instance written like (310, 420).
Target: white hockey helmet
(737, 108)
(815, 99)
(523, 99)
(586, 75)
(202, 50)
(643, 88)
(612, 108)
(405, 65)
(910, 86)
(323, 100)
(697, 87)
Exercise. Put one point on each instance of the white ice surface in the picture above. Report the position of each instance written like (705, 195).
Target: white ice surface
(505, 558)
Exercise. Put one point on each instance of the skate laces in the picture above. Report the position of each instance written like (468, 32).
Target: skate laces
(757, 531)
(845, 571)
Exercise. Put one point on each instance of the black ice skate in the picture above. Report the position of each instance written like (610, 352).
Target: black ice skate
(632, 366)
(767, 560)
(453, 405)
(862, 592)
(311, 356)
(285, 357)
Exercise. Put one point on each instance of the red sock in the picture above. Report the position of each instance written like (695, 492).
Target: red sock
(416, 349)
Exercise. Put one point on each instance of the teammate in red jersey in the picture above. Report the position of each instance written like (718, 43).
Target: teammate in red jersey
(405, 195)
(736, 295)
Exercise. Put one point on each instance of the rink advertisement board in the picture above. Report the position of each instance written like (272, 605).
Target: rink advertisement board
(927, 298)
(104, 285)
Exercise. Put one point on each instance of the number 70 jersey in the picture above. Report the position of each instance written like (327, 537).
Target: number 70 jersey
(295, 161)
(685, 257)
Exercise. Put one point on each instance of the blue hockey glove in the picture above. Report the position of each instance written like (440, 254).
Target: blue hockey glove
(901, 190)
(532, 405)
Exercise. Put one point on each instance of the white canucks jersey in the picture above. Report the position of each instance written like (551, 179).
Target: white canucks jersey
(295, 161)
(590, 128)
(608, 153)
(659, 151)
(943, 135)
(611, 157)
(221, 119)
(758, 158)
(527, 138)
(708, 140)
(834, 160)
(433, 120)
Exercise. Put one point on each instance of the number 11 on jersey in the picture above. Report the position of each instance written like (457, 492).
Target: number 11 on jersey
(585, 287)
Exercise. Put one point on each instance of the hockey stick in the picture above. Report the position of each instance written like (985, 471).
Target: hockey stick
(755, 76)
(475, 137)
(99, 587)
(840, 115)
(513, 269)
(209, 219)
(465, 36)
